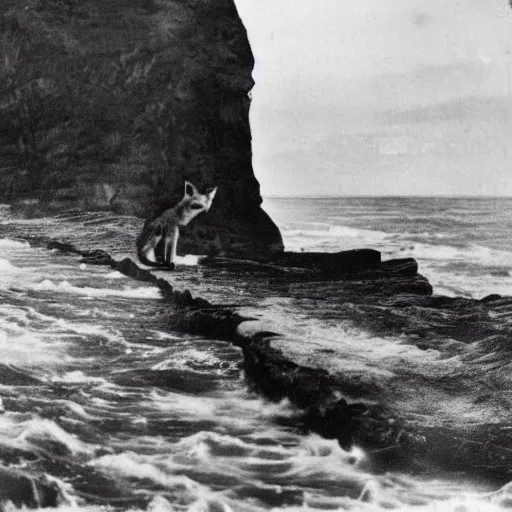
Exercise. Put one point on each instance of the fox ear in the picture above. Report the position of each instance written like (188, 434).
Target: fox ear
(210, 194)
(190, 190)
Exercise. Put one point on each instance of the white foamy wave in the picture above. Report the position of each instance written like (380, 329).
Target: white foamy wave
(324, 459)
(132, 465)
(190, 406)
(187, 358)
(314, 460)
(373, 499)
(6, 265)
(404, 494)
(345, 231)
(63, 326)
(39, 435)
(472, 254)
(25, 348)
(446, 290)
(9, 243)
(471, 271)
(159, 504)
(68, 507)
(477, 286)
(236, 410)
(30, 338)
(326, 237)
(76, 377)
(423, 234)
(161, 335)
(335, 232)
(114, 275)
(10, 275)
(188, 260)
(144, 292)
(188, 494)
(206, 445)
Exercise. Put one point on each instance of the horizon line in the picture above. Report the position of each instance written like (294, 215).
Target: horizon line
(384, 196)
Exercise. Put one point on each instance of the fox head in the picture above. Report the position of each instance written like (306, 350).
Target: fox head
(194, 202)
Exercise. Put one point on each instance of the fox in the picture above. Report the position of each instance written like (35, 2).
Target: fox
(158, 240)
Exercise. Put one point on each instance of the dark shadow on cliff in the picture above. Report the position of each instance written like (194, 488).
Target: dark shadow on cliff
(112, 105)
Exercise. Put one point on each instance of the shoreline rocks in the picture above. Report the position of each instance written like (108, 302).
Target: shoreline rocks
(346, 407)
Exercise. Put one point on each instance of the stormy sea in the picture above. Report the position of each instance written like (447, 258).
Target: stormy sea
(101, 398)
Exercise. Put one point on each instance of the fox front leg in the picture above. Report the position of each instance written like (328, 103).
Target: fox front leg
(149, 249)
(170, 246)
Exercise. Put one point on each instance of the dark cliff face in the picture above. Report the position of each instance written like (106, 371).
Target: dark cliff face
(112, 105)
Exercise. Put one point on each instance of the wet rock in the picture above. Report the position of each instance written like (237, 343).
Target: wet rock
(320, 274)
(112, 105)
(63, 247)
(490, 298)
(12, 376)
(129, 268)
(209, 321)
(24, 490)
(96, 257)
(335, 421)
(188, 314)
(331, 265)
(92, 257)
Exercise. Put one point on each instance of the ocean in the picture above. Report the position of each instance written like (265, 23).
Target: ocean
(122, 413)
(463, 245)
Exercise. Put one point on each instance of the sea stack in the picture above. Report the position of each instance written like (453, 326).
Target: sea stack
(112, 105)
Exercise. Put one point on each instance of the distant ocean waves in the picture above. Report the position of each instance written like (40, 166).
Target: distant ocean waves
(463, 246)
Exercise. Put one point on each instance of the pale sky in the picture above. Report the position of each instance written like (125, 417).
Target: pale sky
(381, 97)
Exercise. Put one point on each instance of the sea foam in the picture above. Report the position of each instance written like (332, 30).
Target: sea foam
(144, 292)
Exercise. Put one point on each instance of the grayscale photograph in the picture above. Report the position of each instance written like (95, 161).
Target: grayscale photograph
(256, 255)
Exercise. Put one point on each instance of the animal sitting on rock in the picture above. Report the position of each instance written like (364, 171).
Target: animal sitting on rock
(158, 240)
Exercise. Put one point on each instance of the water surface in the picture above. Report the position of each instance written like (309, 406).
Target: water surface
(125, 414)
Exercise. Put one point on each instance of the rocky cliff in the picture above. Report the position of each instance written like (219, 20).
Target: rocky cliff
(112, 105)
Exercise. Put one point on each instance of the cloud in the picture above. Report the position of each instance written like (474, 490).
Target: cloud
(354, 85)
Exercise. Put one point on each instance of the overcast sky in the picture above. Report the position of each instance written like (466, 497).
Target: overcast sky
(381, 97)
